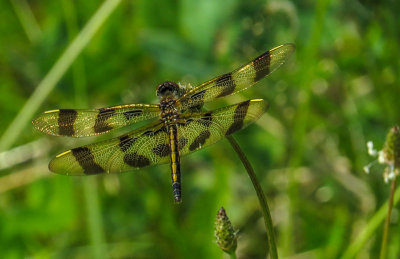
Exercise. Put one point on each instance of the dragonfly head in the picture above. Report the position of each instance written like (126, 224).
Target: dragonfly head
(168, 89)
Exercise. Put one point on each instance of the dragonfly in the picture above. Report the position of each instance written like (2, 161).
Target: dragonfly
(180, 124)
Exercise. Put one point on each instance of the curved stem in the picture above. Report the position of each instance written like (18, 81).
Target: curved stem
(261, 197)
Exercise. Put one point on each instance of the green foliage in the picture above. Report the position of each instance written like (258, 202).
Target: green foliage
(338, 91)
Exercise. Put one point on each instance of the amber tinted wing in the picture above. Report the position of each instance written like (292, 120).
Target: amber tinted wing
(143, 147)
(81, 123)
(203, 129)
(238, 79)
(150, 145)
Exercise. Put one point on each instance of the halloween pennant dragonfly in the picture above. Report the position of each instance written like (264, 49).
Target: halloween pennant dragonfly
(181, 126)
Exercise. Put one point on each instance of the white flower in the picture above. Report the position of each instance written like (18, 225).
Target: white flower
(390, 172)
(371, 150)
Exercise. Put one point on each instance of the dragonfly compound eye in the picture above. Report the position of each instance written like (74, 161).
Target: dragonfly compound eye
(167, 88)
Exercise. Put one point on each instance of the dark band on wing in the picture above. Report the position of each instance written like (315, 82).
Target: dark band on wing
(185, 122)
(261, 65)
(101, 125)
(206, 119)
(125, 142)
(198, 96)
(66, 120)
(182, 143)
(155, 132)
(227, 84)
(135, 160)
(131, 114)
(161, 150)
(200, 140)
(238, 117)
(85, 159)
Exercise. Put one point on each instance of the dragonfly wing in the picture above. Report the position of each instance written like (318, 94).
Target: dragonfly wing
(82, 123)
(238, 79)
(149, 145)
(143, 147)
(203, 129)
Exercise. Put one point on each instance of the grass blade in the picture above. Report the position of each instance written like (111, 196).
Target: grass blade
(55, 73)
(369, 229)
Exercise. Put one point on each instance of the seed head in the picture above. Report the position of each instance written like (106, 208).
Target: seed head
(389, 155)
(391, 149)
(224, 232)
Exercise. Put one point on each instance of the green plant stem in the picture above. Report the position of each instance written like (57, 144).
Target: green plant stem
(232, 255)
(299, 137)
(387, 221)
(78, 67)
(95, 226)
(55, 73)
(369, 229)
(94, 219)
(261, 197)
(27, 20)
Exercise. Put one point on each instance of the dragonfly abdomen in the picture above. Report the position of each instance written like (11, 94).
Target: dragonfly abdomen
(175, 163)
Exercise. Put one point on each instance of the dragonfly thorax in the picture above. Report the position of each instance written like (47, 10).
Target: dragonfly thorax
(169, 112)
(168, 92)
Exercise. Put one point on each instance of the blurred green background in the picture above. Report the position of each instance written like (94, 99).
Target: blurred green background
(339, 90)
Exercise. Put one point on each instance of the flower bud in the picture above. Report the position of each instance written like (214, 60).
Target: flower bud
(224, 232)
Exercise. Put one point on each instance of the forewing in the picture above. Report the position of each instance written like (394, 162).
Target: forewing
(82, 123)
(203, 129)
(140, 148)
(238, 79)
